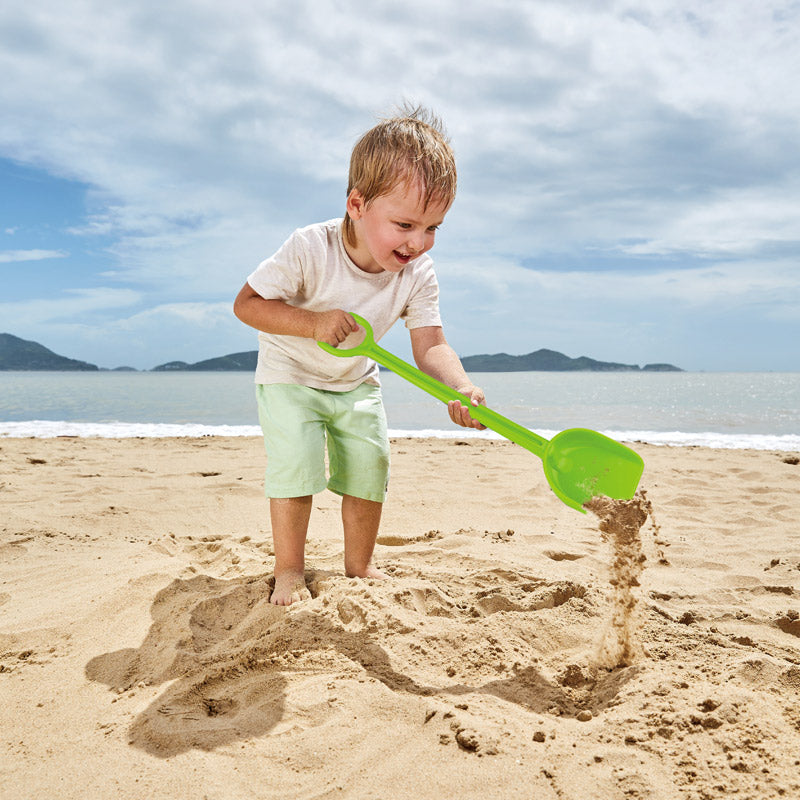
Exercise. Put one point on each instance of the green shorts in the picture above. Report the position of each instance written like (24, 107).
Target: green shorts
(298, 422)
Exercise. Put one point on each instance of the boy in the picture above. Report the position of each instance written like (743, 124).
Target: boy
(402, 183)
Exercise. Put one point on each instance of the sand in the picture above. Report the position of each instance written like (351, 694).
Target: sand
(139, 656)
(620, 524)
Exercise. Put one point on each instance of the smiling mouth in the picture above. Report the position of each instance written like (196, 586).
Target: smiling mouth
(402, 256)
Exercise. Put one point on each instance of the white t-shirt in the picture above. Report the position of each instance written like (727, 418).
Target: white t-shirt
(312, 270)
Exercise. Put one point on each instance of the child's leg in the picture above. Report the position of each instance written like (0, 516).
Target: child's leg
(294, 438)
(361, 520)
(358, 450)
(289, 518)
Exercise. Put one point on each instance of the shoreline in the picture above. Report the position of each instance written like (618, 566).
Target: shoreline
(46, 429)
(139, 654)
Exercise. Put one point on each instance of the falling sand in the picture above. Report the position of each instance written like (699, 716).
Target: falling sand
(621, 522)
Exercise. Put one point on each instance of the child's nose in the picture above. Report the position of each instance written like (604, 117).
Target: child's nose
(416, 241)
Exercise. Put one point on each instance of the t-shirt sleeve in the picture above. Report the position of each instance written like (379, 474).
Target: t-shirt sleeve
(422, 309)
(280, 277)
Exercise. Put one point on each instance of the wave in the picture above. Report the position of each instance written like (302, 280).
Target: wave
(726, 441)
(43, 429)
(49, 429)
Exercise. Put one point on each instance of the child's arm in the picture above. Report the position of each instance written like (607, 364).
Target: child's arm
(435, 357)
(275, 316)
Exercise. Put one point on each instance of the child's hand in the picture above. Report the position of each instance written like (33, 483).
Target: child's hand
(333, 327)
(459, 413)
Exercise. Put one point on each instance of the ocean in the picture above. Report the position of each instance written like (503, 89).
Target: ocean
(728, 410)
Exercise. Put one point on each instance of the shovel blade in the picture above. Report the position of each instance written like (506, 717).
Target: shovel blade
(580, 464)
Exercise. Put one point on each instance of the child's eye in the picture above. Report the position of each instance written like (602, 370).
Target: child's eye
(433, 228)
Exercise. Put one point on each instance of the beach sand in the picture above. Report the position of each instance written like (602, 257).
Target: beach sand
(140, 657)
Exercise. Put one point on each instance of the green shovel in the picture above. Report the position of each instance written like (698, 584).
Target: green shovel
(578, 463)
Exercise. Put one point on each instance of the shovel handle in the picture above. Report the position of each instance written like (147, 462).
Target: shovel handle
(441, 391)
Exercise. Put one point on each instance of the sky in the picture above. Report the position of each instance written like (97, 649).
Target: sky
(629, 172)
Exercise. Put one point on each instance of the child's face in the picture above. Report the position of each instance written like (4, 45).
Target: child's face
(394, 228)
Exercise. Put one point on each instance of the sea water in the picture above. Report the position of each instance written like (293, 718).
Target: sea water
(738, 410)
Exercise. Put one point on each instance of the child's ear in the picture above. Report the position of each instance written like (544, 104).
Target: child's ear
(355, 204)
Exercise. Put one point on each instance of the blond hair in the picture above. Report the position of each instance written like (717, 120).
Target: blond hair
(412, 147)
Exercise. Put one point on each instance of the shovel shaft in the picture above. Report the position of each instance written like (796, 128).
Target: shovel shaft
(491, 419)
(578, 463)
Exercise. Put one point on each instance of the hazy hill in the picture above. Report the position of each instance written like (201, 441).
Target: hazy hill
(541, 360)
(20, 354)
(552, 361)
(234, 362)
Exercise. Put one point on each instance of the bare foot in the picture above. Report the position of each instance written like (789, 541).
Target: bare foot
(290, 587)
(370, 572)
(374, 572)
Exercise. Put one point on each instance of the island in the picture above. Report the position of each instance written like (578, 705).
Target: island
(19, 354)
(235, 362)
(544, 360)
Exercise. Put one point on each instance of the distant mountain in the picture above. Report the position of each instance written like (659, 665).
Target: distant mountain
(171, 366)
(540, 361)
(235, 362)
(660, 368)
(552, 361)
(20, 354)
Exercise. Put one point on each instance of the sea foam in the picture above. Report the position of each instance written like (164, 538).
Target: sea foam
(44, 429)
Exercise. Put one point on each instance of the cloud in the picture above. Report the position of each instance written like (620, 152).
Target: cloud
(16, 256)
(187, 332)
(207, 315)
(618, 149)
(738, 221)
(723, 285)
(705, 317)
(73, 303)
(102, 326)
(576, 109)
